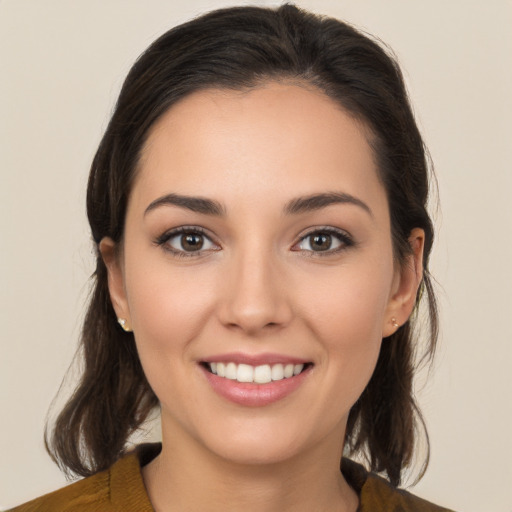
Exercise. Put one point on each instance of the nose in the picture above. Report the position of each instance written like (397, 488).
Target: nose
(254, 298)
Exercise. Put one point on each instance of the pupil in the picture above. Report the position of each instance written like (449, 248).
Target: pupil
(321, 242)
(192, 242)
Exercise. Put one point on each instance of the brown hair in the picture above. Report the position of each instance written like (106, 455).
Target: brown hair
(239, 48)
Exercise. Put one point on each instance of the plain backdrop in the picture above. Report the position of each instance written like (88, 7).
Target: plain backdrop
(61, 66)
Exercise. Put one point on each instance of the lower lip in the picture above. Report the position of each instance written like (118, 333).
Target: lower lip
(254, 395)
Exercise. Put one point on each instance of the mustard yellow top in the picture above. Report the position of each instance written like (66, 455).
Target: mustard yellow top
(121, 489)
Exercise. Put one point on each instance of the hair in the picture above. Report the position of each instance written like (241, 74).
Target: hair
(240, 48)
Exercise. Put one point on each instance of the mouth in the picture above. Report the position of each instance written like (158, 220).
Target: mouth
(261, 374)
(255, 380)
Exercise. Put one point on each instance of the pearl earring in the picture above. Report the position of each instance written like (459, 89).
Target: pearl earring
(393, 323)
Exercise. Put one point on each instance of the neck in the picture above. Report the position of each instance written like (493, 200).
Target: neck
(185, 476)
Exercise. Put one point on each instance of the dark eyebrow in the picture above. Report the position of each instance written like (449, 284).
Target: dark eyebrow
(196, 204)
(317, 201)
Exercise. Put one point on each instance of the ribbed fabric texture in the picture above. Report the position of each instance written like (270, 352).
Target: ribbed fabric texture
(377, 495)
(121, 489)
(118, 489)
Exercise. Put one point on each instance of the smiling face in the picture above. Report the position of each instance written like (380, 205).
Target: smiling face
(257, 271)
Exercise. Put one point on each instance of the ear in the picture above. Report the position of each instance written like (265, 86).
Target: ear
(116, 286)
(406, 282)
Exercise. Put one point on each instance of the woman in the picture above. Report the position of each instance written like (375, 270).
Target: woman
(258, 204)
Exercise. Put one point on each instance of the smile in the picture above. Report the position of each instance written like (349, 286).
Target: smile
(255, 380)
(262, 374)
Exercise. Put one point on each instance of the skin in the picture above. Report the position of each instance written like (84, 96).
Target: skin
(258, 287)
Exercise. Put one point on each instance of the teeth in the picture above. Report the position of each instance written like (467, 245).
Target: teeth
(262, 374)
(231, 371)
(277, 372)
(245, 373)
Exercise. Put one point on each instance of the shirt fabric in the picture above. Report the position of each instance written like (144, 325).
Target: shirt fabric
(121, 489)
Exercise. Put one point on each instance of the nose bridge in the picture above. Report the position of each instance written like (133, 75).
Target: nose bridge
(254, 297)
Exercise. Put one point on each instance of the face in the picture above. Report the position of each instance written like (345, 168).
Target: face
(257, 271)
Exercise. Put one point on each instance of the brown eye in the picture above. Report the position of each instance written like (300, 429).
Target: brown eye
(321, 242)
(327, 241)
(192, 241)
(187, 242)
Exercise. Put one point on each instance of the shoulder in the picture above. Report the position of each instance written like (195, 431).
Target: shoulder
(119, 488)
(87, 494)
(377, 495)
(379, 490)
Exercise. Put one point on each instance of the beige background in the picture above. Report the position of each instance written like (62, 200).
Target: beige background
(61, 66)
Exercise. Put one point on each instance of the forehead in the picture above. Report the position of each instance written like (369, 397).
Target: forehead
(271, 137)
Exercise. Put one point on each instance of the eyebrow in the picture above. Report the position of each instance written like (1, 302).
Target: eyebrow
(195, 204)
(295, 206)
(318, 201)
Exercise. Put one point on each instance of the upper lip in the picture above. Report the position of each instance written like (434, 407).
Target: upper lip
(255, 359)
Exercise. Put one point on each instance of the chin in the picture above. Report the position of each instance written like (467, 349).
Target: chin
(266, 441)
(256, 451)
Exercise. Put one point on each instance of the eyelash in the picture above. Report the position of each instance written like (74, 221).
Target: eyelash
(163, 241)
(345, 240)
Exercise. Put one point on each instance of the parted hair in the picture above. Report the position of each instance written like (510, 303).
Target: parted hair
(240, 48)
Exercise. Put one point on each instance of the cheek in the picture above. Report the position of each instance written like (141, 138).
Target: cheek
(164, 300)
(349, 304)
(347, 314)
(168, 309)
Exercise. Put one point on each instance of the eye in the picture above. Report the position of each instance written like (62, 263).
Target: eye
(324, 241)
(186, 242)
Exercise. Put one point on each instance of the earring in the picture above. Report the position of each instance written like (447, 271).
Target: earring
(124, 326)
(393, 323)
